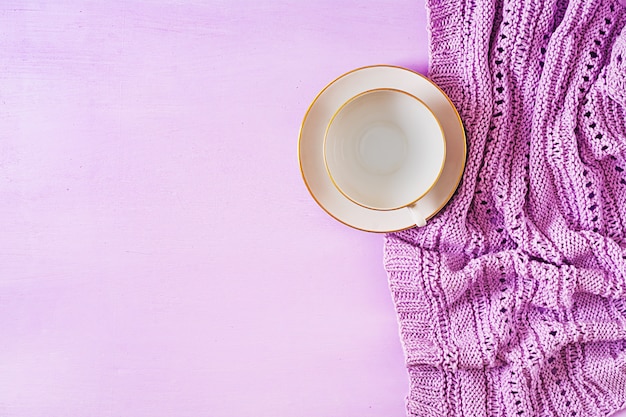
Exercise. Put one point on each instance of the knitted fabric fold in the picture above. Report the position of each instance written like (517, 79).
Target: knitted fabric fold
(512, 300)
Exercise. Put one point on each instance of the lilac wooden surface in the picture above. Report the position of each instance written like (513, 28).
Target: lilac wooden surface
(159, 252)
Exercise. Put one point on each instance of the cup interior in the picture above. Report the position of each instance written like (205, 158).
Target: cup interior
(384, 149)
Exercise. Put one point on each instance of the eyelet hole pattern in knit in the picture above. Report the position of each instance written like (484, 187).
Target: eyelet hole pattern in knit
(512, 300)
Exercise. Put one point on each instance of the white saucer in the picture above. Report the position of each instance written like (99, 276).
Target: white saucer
(311, 147)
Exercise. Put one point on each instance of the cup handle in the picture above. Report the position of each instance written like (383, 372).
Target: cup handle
(416, 214)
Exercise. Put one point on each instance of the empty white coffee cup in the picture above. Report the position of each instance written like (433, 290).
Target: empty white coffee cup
(384, 149)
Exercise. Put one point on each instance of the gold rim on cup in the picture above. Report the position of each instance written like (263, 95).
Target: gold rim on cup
(332, 119)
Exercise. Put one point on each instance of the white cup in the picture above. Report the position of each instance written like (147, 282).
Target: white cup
(384, 149)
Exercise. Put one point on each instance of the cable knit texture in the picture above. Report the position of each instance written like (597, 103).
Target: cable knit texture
(512, 300)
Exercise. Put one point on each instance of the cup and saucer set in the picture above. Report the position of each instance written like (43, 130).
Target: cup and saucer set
(382, 149)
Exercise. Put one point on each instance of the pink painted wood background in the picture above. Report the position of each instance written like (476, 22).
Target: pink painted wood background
(159, 253)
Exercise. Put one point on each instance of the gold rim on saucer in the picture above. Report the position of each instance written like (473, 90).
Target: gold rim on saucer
(310, 146)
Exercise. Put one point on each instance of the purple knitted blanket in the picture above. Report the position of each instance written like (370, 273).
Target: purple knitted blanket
(512, 300)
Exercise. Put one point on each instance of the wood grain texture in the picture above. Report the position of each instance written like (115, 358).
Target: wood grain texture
(159, 253)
